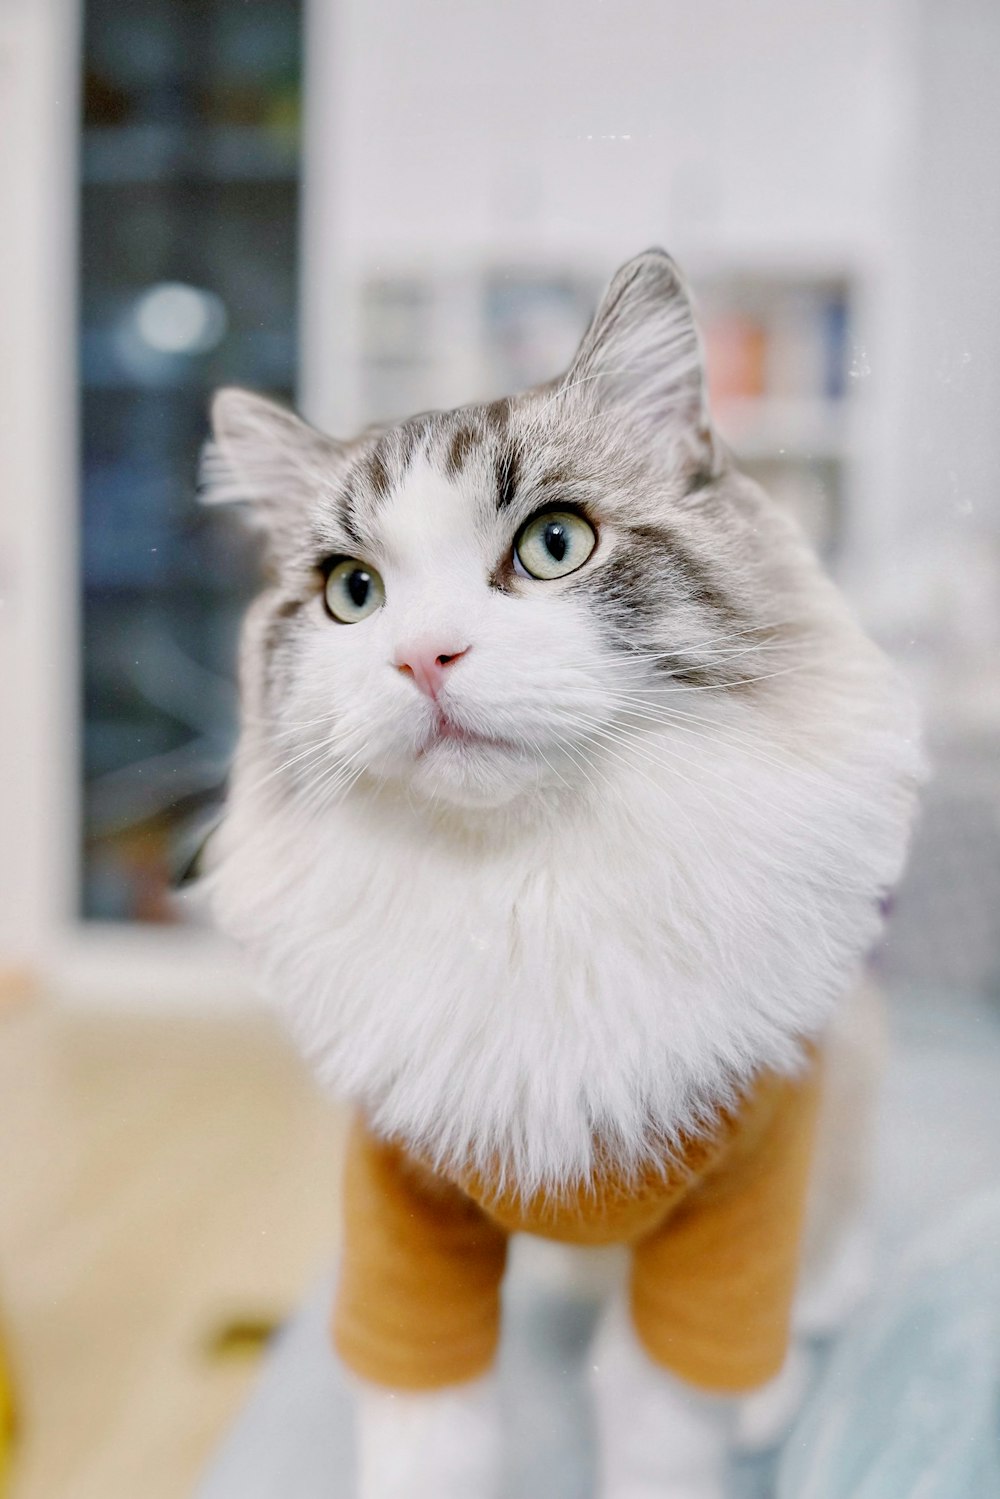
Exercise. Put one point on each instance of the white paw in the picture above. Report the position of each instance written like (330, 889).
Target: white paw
(763, 1418)
(444, 1444)
(659, 1437)
(833, 1291)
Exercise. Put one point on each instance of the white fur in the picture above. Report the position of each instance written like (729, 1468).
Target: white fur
(659, 1438)
(443, 1444)
(501, 954)
(764, 1417)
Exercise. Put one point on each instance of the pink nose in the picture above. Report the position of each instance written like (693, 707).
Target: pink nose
(426, 664)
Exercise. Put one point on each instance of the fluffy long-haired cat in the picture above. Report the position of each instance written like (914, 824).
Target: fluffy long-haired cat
(566, 795)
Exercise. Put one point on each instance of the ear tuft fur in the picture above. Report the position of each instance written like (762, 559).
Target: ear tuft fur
(642, 357)
(263, 456)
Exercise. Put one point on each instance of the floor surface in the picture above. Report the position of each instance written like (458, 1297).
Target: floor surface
(165, 1182)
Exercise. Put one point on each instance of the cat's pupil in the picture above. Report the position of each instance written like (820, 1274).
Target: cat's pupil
(555, 540)
(358, 584)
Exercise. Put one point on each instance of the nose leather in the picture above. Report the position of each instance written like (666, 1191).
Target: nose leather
(426, 662)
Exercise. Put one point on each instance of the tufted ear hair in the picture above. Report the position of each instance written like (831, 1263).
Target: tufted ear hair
(263, 456)
(641, 357)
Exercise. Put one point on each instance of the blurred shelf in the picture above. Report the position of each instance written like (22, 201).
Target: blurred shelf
(594, 249)
(128, 154)
(769, 428)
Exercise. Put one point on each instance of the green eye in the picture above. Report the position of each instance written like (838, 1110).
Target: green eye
(353, 591)
(553, 544)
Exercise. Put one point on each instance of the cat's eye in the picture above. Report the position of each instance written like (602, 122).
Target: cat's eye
(553, 544)
(353, 591)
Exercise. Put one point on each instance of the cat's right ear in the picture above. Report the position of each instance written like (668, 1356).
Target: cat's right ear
(641, 359)
(265, 458)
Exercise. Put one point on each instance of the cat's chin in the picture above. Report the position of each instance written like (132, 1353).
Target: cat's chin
(472, 775)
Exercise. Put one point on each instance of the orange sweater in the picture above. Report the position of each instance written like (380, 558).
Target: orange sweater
(714, 1236)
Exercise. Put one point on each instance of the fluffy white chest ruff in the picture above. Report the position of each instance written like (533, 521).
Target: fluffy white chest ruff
(612, 972)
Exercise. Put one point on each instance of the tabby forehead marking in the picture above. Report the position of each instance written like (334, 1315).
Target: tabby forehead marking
(508, 473)
(496, 414)
(376, 471)
(346, 514)
(461, 445)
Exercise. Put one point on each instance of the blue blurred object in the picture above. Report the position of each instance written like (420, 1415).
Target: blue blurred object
(189, 214)
(909, 1405)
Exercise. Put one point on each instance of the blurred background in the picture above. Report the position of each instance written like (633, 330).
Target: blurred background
(372, 208)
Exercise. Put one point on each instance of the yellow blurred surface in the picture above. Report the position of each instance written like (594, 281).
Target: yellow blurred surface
(165, 1179)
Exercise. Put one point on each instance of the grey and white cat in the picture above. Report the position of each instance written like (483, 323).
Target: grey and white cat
(566, 794)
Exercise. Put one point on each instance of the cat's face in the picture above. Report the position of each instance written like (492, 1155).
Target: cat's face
(508, 601)
(427, 653)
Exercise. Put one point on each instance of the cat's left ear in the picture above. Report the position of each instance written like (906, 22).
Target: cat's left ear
(263, 456)
(641, 357)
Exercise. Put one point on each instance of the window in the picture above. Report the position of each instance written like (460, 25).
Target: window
(188, 269)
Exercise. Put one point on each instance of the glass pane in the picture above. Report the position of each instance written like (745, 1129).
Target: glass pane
(188, 247)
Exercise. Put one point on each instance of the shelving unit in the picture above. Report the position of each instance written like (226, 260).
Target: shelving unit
(779, 339)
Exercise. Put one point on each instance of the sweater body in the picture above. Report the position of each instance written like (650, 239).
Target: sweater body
(713, 1227)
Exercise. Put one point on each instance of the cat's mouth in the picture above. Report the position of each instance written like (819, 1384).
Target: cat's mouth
(446, 732)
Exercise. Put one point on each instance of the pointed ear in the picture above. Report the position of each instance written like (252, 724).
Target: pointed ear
(265, 457)
(641, 357)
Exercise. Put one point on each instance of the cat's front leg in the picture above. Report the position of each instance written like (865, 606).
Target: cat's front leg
(436, 1444)
(659, 1437)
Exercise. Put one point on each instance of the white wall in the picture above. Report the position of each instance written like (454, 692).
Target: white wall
(38, 114)
(614, 124)
(932, 543)
(950, 436)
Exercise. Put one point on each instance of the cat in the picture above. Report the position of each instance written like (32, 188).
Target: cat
(566, 795)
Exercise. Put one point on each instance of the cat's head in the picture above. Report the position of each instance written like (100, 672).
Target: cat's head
(498, 603)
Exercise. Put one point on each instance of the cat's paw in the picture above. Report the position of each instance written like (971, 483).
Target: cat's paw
(442, 1444)
(833, 1292)
(659, 1437)
(764, 1417)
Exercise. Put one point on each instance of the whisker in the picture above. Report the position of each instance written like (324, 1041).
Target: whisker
(565, 387)
(697, 645)
(578, 760)
(677, 718)
(277, 770)
(336, 775)
(767, 676)
(604, 734)
(553, 769)
(642, 745)
(291, 726)
(321, 749)
(708, 658)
